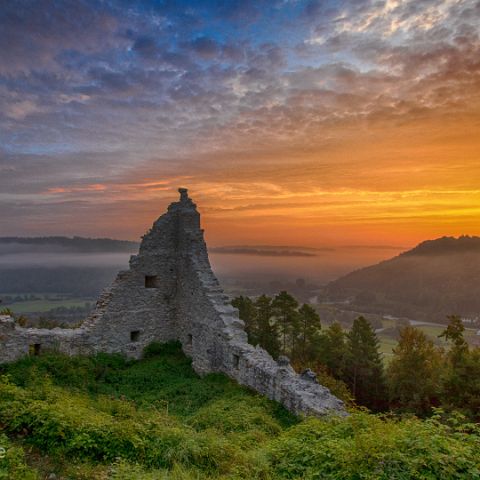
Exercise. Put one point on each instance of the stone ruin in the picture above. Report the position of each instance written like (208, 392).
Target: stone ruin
(170, 293)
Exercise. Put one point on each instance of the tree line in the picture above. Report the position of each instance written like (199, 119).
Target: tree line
(420, 375)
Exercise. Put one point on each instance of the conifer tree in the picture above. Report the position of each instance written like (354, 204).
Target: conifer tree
(364, 368)
(247, 312)
(333, 351)
(308, 334)
(285, 310)
(267, 331)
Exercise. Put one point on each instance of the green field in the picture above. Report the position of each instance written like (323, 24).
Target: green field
(36, 306)
(386, 346)
(43, 302)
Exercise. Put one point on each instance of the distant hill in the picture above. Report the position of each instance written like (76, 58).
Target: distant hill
(436, 278)
(66, 244)
(74, 265)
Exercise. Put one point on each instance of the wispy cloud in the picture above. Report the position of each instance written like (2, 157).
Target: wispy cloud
(264, 251)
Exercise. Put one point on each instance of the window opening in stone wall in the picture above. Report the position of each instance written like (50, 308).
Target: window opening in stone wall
(35, 349)
(189, 339)
(151, 281)
(236, 361)
(134, 336)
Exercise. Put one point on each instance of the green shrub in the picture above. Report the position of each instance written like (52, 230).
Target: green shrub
(12, 462)
(108, 417)
(102, 429)
(370, 447)
(164, 380)
(156, 349)
(122, 470)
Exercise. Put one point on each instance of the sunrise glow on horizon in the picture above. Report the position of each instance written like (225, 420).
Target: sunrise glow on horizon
(290, 122)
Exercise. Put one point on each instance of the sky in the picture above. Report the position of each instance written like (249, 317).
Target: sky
(304, 123)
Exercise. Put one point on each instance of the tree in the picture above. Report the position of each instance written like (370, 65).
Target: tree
(332, 352)
(414, 372)
(461, 383)
(267, 331)
(285, 310)
(454, 334)
(247, 313)
(364, 368)
(308, 334)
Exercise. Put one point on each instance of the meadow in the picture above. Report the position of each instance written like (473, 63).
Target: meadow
(43, 303)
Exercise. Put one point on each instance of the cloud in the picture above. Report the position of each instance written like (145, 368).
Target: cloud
(32, 33)
(262, 252)
(205, 47)
(145, 46)
(267, 109)
(20, 109)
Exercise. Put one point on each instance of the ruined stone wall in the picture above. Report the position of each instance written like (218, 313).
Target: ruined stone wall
(170, 292)
(214, 337)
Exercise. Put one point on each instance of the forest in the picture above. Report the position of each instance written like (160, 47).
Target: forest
(419, 377)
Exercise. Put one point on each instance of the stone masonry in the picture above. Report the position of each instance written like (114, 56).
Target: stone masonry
(170, 293)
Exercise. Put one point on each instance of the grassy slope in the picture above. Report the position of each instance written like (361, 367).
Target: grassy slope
(104, 417)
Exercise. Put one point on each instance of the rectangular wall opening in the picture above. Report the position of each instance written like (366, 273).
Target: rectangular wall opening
(135, 336)
(151, 281)
(189, 339)
(34, 349)
(236, 361)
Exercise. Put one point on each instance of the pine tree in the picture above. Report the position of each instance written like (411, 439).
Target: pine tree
(364, 368)
(308, 335)
(285, 311)
(247, 312)
(267, 330)
(333, 350)
(414, 372)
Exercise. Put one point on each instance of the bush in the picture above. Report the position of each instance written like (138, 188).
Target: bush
(103, 429)
(106, 417)
(371, 447)
(12, 462)
(156, 349)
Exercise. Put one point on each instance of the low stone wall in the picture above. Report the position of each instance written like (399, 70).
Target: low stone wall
(170, 292)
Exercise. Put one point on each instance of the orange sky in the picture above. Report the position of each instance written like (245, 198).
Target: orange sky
(353, 124)
(394, 186)
(377, 185)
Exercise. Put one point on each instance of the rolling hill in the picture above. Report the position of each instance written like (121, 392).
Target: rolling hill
(436, 278)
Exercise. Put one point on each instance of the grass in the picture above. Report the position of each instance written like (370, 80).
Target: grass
(104, 417)
(164, 380)
(386, 346)
(43, 302)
